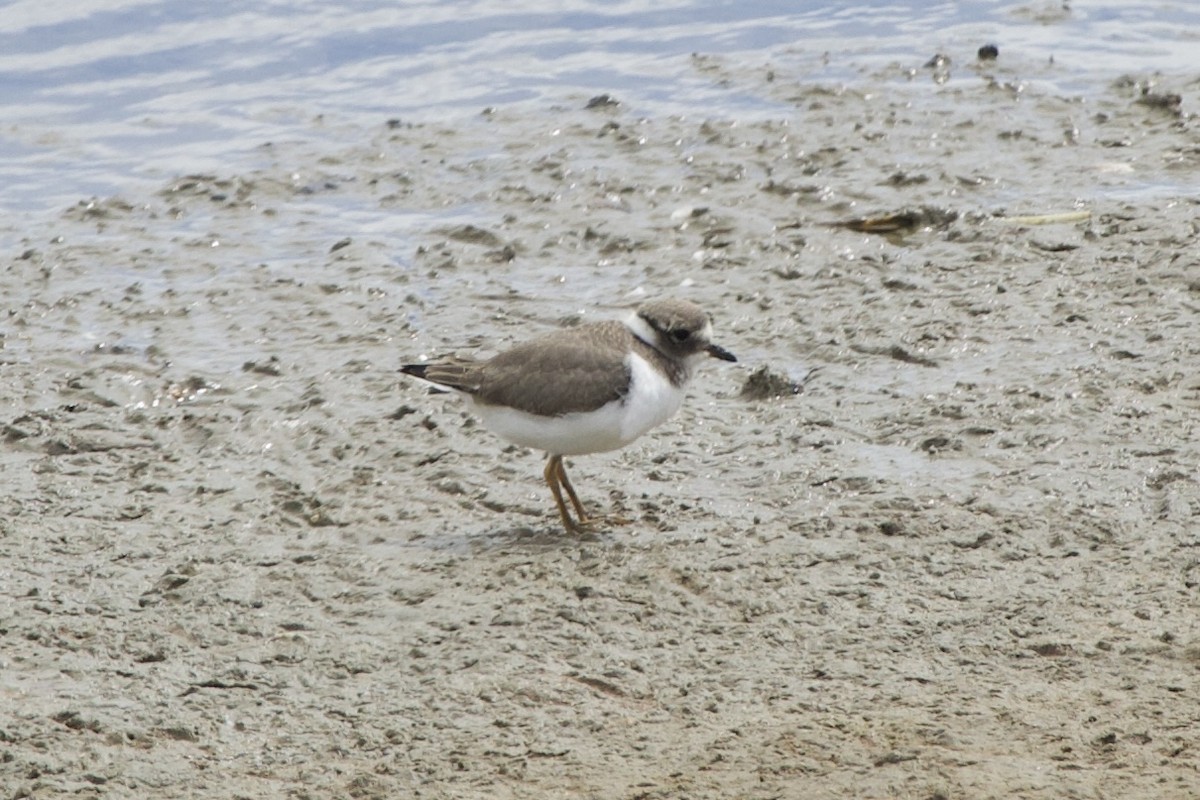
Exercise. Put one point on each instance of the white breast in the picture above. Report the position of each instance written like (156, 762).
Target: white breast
(651, 401)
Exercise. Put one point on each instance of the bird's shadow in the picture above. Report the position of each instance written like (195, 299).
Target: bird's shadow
(535, 537)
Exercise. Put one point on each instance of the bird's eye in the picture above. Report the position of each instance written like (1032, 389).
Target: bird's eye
(680, 335)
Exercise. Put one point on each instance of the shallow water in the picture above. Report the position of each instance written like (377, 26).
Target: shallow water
(101, 97)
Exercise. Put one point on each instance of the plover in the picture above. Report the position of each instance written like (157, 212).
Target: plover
(587, 389)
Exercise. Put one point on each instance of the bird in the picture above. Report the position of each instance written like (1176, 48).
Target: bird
(586, 389)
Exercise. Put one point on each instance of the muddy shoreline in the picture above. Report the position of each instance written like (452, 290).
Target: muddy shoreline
(243, 558)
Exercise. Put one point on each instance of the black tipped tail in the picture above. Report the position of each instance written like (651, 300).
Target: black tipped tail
(442, 374)
(416, 370)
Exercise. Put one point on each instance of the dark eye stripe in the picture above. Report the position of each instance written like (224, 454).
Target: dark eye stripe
(654, 324)
(677, 335)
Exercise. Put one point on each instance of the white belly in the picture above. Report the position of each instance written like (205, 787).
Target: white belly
(652, 401)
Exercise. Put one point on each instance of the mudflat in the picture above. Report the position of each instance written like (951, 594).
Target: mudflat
(937, 535)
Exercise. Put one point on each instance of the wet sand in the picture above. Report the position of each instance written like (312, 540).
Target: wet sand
(243, 558)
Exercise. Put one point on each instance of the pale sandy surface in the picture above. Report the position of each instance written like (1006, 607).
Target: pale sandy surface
(241, 558)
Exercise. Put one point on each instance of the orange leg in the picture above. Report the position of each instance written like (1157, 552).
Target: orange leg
(554, 474)
(566, 484)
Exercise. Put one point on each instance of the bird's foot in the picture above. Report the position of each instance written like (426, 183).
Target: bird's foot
(600, 523)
